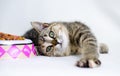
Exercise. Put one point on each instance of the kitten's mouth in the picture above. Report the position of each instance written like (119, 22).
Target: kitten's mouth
(60, 44)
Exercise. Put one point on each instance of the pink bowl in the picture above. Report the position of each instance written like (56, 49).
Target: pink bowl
(17, 49)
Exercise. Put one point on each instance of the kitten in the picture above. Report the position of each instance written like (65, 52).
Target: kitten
(66, 38)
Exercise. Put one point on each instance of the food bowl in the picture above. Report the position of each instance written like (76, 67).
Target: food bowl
(17, 49)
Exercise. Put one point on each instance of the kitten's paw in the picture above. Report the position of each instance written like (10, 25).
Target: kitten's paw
(91, 63)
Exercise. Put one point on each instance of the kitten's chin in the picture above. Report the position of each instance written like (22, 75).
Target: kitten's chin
(61, 45)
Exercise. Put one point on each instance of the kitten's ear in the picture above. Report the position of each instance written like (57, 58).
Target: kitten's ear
(39, 26)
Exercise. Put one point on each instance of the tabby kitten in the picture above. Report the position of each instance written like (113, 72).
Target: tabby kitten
(66, 38)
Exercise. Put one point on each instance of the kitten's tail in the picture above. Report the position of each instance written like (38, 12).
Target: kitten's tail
(103, 48)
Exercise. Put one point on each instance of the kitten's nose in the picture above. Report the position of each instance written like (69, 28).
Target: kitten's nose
(54, 42)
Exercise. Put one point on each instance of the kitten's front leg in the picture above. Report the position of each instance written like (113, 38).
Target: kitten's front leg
(89, 57)
(89, 52)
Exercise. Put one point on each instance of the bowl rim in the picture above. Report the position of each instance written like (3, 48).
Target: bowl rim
(15, 42)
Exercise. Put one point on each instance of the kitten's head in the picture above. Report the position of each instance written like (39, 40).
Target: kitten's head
(53, 38)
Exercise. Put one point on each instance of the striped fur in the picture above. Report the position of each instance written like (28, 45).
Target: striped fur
(69, 38)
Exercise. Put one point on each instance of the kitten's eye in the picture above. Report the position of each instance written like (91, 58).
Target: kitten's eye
(48, 48)
(51, 34)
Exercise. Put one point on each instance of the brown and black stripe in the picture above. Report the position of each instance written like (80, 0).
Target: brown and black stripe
(80, 35)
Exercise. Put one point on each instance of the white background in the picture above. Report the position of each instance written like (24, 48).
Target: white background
(102, 16)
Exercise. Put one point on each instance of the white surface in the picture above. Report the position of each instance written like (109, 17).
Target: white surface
(102, 16)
